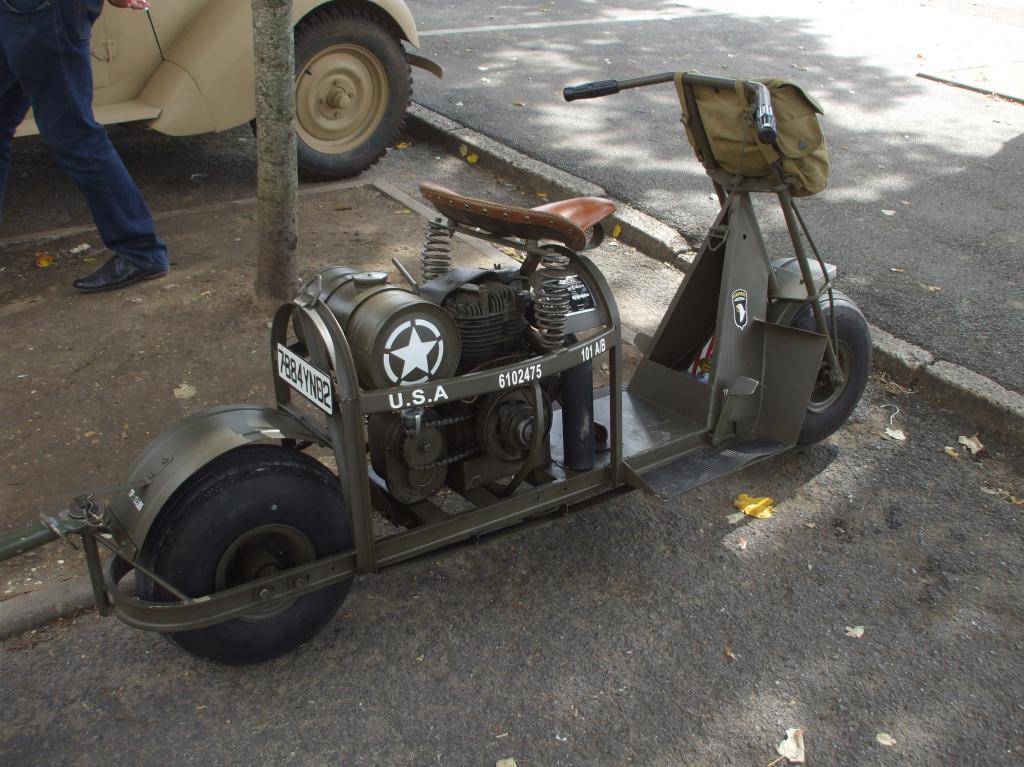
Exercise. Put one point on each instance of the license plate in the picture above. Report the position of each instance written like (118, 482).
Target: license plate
(311, 383)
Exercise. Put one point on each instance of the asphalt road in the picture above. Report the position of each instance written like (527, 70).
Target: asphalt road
(636, 632)
(949, 163)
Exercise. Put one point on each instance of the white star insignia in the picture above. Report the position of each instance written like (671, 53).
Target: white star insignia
(414, 355)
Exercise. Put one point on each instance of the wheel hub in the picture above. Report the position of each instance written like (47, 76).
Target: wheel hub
(341, 96)
(259, 553)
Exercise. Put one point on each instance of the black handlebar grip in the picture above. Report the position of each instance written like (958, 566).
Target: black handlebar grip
(764, 117)
(593, 90)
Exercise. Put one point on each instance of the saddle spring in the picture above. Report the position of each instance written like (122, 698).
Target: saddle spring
(552, 305)
(436, 255)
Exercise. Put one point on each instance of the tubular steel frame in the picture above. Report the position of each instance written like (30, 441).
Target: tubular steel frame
(328, 350)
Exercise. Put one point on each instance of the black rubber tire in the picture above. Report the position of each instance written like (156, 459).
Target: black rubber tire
(333, 25)
(237, 492)
(853, 332)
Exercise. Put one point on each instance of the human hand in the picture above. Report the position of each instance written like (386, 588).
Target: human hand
(135, 5)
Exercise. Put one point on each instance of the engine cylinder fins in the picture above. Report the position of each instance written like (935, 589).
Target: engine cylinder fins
(491, 318)
(436, 255)
(553, 299)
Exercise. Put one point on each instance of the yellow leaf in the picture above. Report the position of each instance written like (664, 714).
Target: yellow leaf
(43, 259)
(971, 443)
(616, 231)
(952, 452)
(463, 150)
(761, 508)
(792, 748)
(885, 739)
(471, 159)
(542, 195)
(896, 434)
(403, 145)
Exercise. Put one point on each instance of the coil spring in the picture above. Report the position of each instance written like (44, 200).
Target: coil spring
(436, 255)
(552, 305)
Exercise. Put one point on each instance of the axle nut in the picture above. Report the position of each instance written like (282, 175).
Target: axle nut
(264, 593)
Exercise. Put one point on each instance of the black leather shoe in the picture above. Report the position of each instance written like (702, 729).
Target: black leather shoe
(117, 273)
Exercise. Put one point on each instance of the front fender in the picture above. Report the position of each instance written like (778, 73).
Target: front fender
(167, 462)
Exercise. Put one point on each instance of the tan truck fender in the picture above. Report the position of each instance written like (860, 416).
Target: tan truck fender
(219, 63)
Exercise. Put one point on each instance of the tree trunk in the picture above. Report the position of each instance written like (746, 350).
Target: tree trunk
(277, 175)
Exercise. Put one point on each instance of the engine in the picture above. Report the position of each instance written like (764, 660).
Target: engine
(457, 321)
(468, 444)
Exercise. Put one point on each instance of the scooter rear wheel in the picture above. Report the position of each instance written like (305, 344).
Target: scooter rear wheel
(830, 405)
(251, 512)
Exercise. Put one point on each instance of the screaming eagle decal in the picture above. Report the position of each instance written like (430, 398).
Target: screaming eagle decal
(413, 352)
(739, 307)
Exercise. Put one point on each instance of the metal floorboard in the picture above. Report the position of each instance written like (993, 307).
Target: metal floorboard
(690, 471)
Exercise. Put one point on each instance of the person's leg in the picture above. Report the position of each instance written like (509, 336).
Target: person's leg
(51, 60)
(13, 107)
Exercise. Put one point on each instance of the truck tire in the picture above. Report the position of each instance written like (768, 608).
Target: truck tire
(352, 88)
(830, 407)
(249, 512)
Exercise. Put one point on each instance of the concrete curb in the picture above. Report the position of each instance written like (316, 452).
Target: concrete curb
(50, 603)
(990, 405)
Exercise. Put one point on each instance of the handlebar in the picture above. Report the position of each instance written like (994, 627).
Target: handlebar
(764, 117)
(594, 90)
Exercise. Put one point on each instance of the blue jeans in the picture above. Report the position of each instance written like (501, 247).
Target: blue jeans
(45, 62)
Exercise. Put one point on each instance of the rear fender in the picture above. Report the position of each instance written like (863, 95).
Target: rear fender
(167, 462)
(219, 61)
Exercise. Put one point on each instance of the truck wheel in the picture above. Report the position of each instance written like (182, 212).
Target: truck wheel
(830, 405)
(247, 514)
(352, 87)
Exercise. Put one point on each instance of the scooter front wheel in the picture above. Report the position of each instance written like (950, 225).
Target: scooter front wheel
(831, 404)
(251, 512)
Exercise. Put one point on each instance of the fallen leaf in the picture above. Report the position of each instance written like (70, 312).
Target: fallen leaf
(510, 762)
(896, 269)
(761, 508)
(419, 658)
(519, 103)
(542, 195)
(952, 452)
(43, 259)
(463, 150)
(185, 391)
(792, 748)
(810, 525)
(342, 206)
(888, 212)
(742, 544)
(616, 231)
(81, 248)
(472, 158)
(931, 288)
(855, 631)
(403, 145)
(896, 434)
(728, 653)
(971, 443)
(885, 739)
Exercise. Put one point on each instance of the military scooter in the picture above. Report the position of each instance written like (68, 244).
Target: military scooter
(463, 404)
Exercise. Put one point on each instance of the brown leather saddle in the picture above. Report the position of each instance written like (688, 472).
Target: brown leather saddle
(569, 221)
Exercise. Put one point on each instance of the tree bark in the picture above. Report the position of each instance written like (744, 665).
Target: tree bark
(277, 174)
